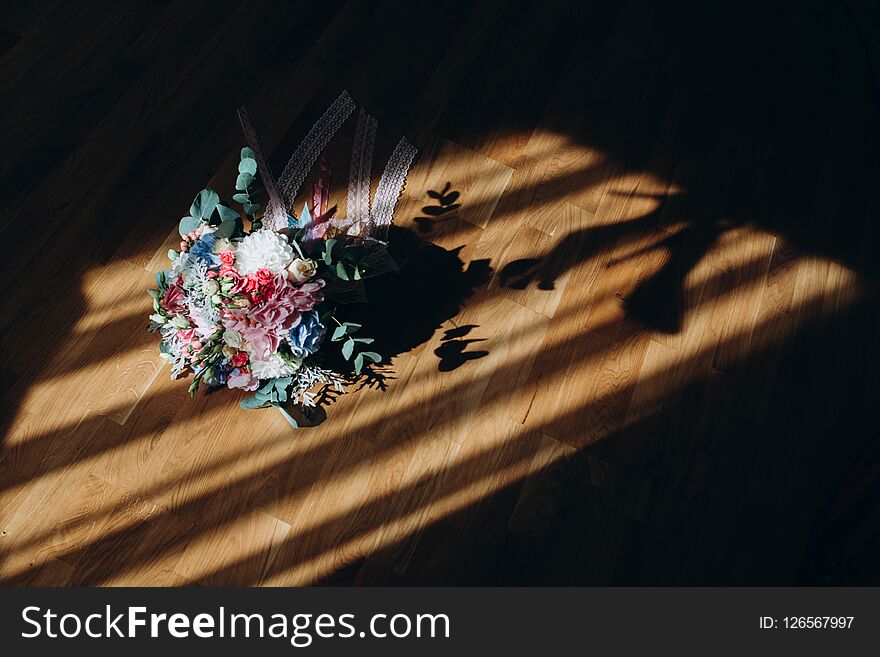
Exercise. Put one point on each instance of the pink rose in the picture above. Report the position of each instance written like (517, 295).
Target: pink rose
(263, 277)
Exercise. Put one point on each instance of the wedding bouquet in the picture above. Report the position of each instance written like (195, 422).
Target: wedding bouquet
(251, 297)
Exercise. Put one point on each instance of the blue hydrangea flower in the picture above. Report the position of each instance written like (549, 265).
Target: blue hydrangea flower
(203, 249)
(306, 337)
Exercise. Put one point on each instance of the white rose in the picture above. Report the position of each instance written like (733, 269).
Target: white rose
(221, 245)
(274, 367)
(264, 249)
(301, 270)
(232, 338)
(210, 287)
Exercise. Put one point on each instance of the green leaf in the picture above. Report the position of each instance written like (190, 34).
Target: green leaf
(204, 204)
(252, 208)
(354, 254)
(295, 244)
(227, 228)
(227, 213)
(243, 181)
(348, 349)
(351, 326)
(252, 402)
(357, 274)
(156, 294)
(328, 251)
(241, 198)
(363, 340)
(246, 152)
(372, 355)
(358, 363)
(339, 333)
(248, 165)
(340, 271)
(172, 254)
(188, 225)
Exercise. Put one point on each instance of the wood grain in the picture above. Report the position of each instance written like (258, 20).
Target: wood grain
(646, 352)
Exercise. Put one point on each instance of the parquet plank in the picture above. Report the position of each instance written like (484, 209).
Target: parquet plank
(667, 293)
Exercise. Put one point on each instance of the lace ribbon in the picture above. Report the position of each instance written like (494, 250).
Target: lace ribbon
(307, 153)
(360, 173)
(369, 221)
(390, 187)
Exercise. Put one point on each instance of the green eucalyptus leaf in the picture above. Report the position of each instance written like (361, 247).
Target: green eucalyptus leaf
(172, 254)
(357, 274)
(252, 208)
(204, 204)
(241, 198)
(348, 349)
(354, 254)
(246, 152)
(372, 355)
(243, 181)
(227, 228)
(363, 340)
(188, 225)
(339, 333)
(248, 165)
(340, 271)
(358, 363)
(252, 402)
(328, 251)
(351, 327)
(295, 244)
(227, 213)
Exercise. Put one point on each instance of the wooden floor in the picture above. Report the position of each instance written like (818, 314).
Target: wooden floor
(635, 342)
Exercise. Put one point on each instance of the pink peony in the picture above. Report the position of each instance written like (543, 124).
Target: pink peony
(243, 380)
(308, 295)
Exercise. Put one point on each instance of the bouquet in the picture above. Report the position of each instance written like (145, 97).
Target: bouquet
(252, 297)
